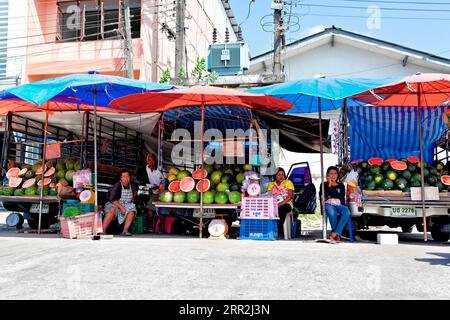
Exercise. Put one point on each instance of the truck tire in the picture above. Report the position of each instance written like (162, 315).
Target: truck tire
(438, 235)
(419, 227)
(407, 229)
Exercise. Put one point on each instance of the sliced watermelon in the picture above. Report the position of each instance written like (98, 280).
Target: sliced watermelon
(375, 161)
(445, 180)
(199, 174)
(391, 160)
(14, 182)
(13, 173)
(23, 172)
(187, 184)
(399, 165)
(50, 172)
(174, 186)
(29, 183)
(41, 169)
(44, 182)
(413, 159)
(203, 185)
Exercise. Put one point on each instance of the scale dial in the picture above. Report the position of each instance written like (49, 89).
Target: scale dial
(254, 189)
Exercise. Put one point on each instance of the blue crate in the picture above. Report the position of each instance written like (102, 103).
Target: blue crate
(258, 229)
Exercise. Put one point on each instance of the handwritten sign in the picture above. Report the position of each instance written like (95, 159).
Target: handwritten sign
(431, 193)
(53, 151)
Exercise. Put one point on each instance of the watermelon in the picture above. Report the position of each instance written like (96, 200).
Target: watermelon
(401, 183)
(433, 171)
(234, 197)
(223, 187)
(53, 192)
(13, 173)
(29, 183)
(31, 191)
(235, 187)
(226, 178)
(221, 197)
(203, 185)
(240, 177)
(439, 165)
(40, 170)
(63, 182)
(187, 184)
(45, 191)
(364, 165)
(378, 179)
(199, 174)
(208, 197)
(49, 172)
(29, 174)
(247, 167)
(385, 166)
(193, 196)
(173, 171)
(391, 175)
(23, 172)
(19, 192)
(77, 166)
(216, 177)
(426, 172)
(432, 181)
(415, 183)
(370, 185)
(388, 184)
(69, 175)
(70, 164)
(171, 177)
(375, 161)
(44, 182)
(8, 191)
(209, 169)
(183, 174)
(179, 197)
(416, 177)
(166, 196)
(407, 189)
(14, 182)
(375, 169)
(440, 186)
(399, 165)
(50, 164)
(445, 180)
(390, 160)
(60, 175)
(413, 160)
(60, 166)
(174, 186)
(71, 211)
(406, 174)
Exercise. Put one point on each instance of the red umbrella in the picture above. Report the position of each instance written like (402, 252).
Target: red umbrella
(420, 90)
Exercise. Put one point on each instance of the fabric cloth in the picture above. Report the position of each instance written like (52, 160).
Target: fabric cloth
(126, 198)
(155, 178)
(338, 216)
(282, 190)
(116, 191)
(335, 192)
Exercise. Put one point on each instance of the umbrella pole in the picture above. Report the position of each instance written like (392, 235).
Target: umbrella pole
(322, 198)
(203, 168)
(41, 197)
(95, 164)
(422, 178)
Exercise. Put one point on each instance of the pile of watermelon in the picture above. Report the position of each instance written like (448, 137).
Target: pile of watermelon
(28, 181)
(393, 174)
(219, 185)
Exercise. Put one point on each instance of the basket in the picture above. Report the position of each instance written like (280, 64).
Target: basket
(81, 225)
(258, 229)
(82, 207)
(259, 208)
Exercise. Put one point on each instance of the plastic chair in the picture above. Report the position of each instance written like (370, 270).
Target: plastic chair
(287, 226)
(349, 225)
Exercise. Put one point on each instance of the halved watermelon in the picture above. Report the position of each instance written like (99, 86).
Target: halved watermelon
(50, 172)
(23, 172)
(41, 169)
(391, 160)
(14, 182)
(399, 165)
(203, 185)
(187, 184)
(29, 183)
(375, 161)
(199, 174)
(445, 180)
(174, 186)
(13, 173)
(44, 182)
(413, 159)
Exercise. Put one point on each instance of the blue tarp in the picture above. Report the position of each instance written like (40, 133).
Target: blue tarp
(393, 132)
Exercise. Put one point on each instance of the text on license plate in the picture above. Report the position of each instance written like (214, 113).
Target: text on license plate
(403, 211)
(35, 208)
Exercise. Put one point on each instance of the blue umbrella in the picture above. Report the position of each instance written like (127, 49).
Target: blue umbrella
(322, 94)
(79, 89)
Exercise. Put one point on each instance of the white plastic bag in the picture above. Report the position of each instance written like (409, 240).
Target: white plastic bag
(352, 178)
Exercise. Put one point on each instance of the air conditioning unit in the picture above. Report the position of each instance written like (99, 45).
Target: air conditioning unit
(228, 58)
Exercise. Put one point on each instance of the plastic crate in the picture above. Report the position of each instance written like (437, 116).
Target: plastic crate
(137, 226)
(259, 208)
(82, 225)
(83, 207)
(258, 229)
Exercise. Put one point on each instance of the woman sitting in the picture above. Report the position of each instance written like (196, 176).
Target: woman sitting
(283, 191)
(121, 203)
(335, 207)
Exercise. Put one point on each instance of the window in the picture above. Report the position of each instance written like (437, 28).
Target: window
(86, 20)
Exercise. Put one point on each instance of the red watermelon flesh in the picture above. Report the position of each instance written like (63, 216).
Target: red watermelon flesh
(187, 184)
(399, 165)
(204, 184)
(390, 160)
(14, 182)
(174, 186)
(199, 174)
(445, 180)
(29, 183)
(375, 161)
(50, 172)
(41, 169)
(413, 159)
(13, 173)
(46, 182)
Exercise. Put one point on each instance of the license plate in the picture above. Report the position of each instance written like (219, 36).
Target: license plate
(35, 208)
(403, 211)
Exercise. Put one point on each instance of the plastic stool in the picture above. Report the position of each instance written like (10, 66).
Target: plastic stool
(349, 225)
(168, 224)
(287, 226)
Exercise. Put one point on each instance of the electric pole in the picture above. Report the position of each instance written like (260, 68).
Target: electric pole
(180, 42)
(278, 38)
(128, 43)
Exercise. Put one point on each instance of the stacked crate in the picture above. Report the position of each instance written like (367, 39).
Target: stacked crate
(259, 218)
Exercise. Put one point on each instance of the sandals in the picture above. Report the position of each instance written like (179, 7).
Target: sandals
(126, 234)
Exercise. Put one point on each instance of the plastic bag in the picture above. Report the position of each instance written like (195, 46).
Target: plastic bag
(82, 178)
(352, 178)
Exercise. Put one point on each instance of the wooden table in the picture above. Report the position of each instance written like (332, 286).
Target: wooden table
(176, 205)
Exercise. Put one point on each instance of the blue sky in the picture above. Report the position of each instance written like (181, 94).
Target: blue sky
(431, 35)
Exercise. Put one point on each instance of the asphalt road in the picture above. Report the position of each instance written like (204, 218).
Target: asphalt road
(163, 267)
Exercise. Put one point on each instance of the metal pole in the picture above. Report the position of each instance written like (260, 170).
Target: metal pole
(422, 178)
(322, 198)
(203, 168)
(41, 197)
(95, 163)
(128, 44)
(180, 41)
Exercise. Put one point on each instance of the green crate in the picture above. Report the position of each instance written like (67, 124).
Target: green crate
(137, 226)
(83, 207)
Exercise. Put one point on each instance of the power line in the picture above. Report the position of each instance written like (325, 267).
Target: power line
(365, 17)
(400, 2)
(387, 9)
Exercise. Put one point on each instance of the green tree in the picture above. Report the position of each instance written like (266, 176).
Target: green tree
(180, 77)
(165, 78)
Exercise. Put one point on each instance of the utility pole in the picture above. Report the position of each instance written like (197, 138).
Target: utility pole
(278, 38)
(128, 43)
(180, 41)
